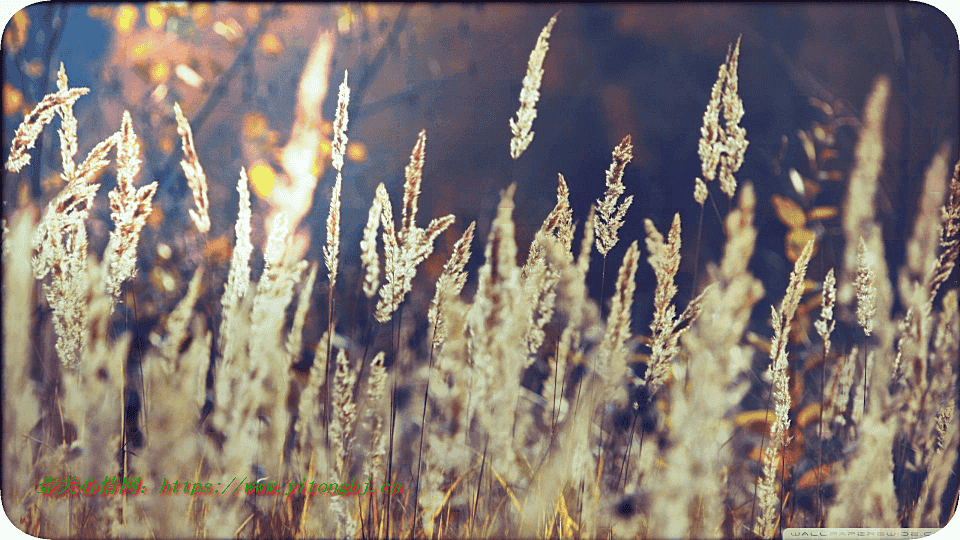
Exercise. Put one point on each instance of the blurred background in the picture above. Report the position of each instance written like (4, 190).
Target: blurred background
(456, 71)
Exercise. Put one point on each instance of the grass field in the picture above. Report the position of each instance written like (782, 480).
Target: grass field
(501, 378)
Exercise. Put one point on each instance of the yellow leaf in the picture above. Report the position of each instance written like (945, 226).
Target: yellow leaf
(159, 72)
(822, 212)
(155, 16)
(12, 99)
(201, 14)
(809, 415)
(796, 240)
(15, 36)
(34, 68)
(789, 212)
(263, 179)
(357, 152)
(816, 475)
(254, 125)
(125, 19)
(757, 421)
(271, 44)
(513, 497)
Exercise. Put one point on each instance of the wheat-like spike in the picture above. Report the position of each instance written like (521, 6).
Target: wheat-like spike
(309, 421)
(238, 280)
(530, 94)
(179, 320)
(723, 147)
(609, 217)
(451, 282)
(331, 251)
(414, 177)
(339, 146)
(405, 249)
(96, 160)
(276, 246)
(613, 346)
(376, 390)
(295, 337)
(196, 178)
(766, 490)
(665, 260)
(949, 237)
(866, 290)
(368, 251)
(68, 130)
(344, 409)
(129, 210)
(826, 324)
(700, 191)
(33, 123)
(560, 220)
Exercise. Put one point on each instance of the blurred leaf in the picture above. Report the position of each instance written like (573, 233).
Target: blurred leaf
(125, 19)
(218, 249)
(159, 72)
(252, 14)
(12, 100)
(757, 421)
(263, 179)
(789, 212)
(796, 388)
(809, 480)
(797, 181)
(796, 240)
(155, 16)
(822, 212)
(809, 415)
(34, 68)
(201, 14)
(229, 29)
(357, 152)
(271, 44)
(254, 125)
(189, 76)
(15, 36)
(142, 49)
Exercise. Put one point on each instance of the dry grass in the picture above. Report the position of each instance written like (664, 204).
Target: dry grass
(535, 407)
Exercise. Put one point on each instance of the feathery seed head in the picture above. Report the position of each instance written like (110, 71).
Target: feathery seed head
(414, 178)
(866, 290)
(196, 178)
(368, 250)
(339, 146)
(40, 116)
(724, 147)
(609, 216)
(331, 251)
(530, 94)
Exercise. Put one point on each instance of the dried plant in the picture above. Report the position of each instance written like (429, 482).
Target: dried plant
(537, 401)
(196, 178)
(724, 147)
(129, 209)
(407, 248)
(368, 251)
(770, 501)
(666, 327)
(609, 217)
(866, 290)
(523, 125)
(60, 102)
(450, 284)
